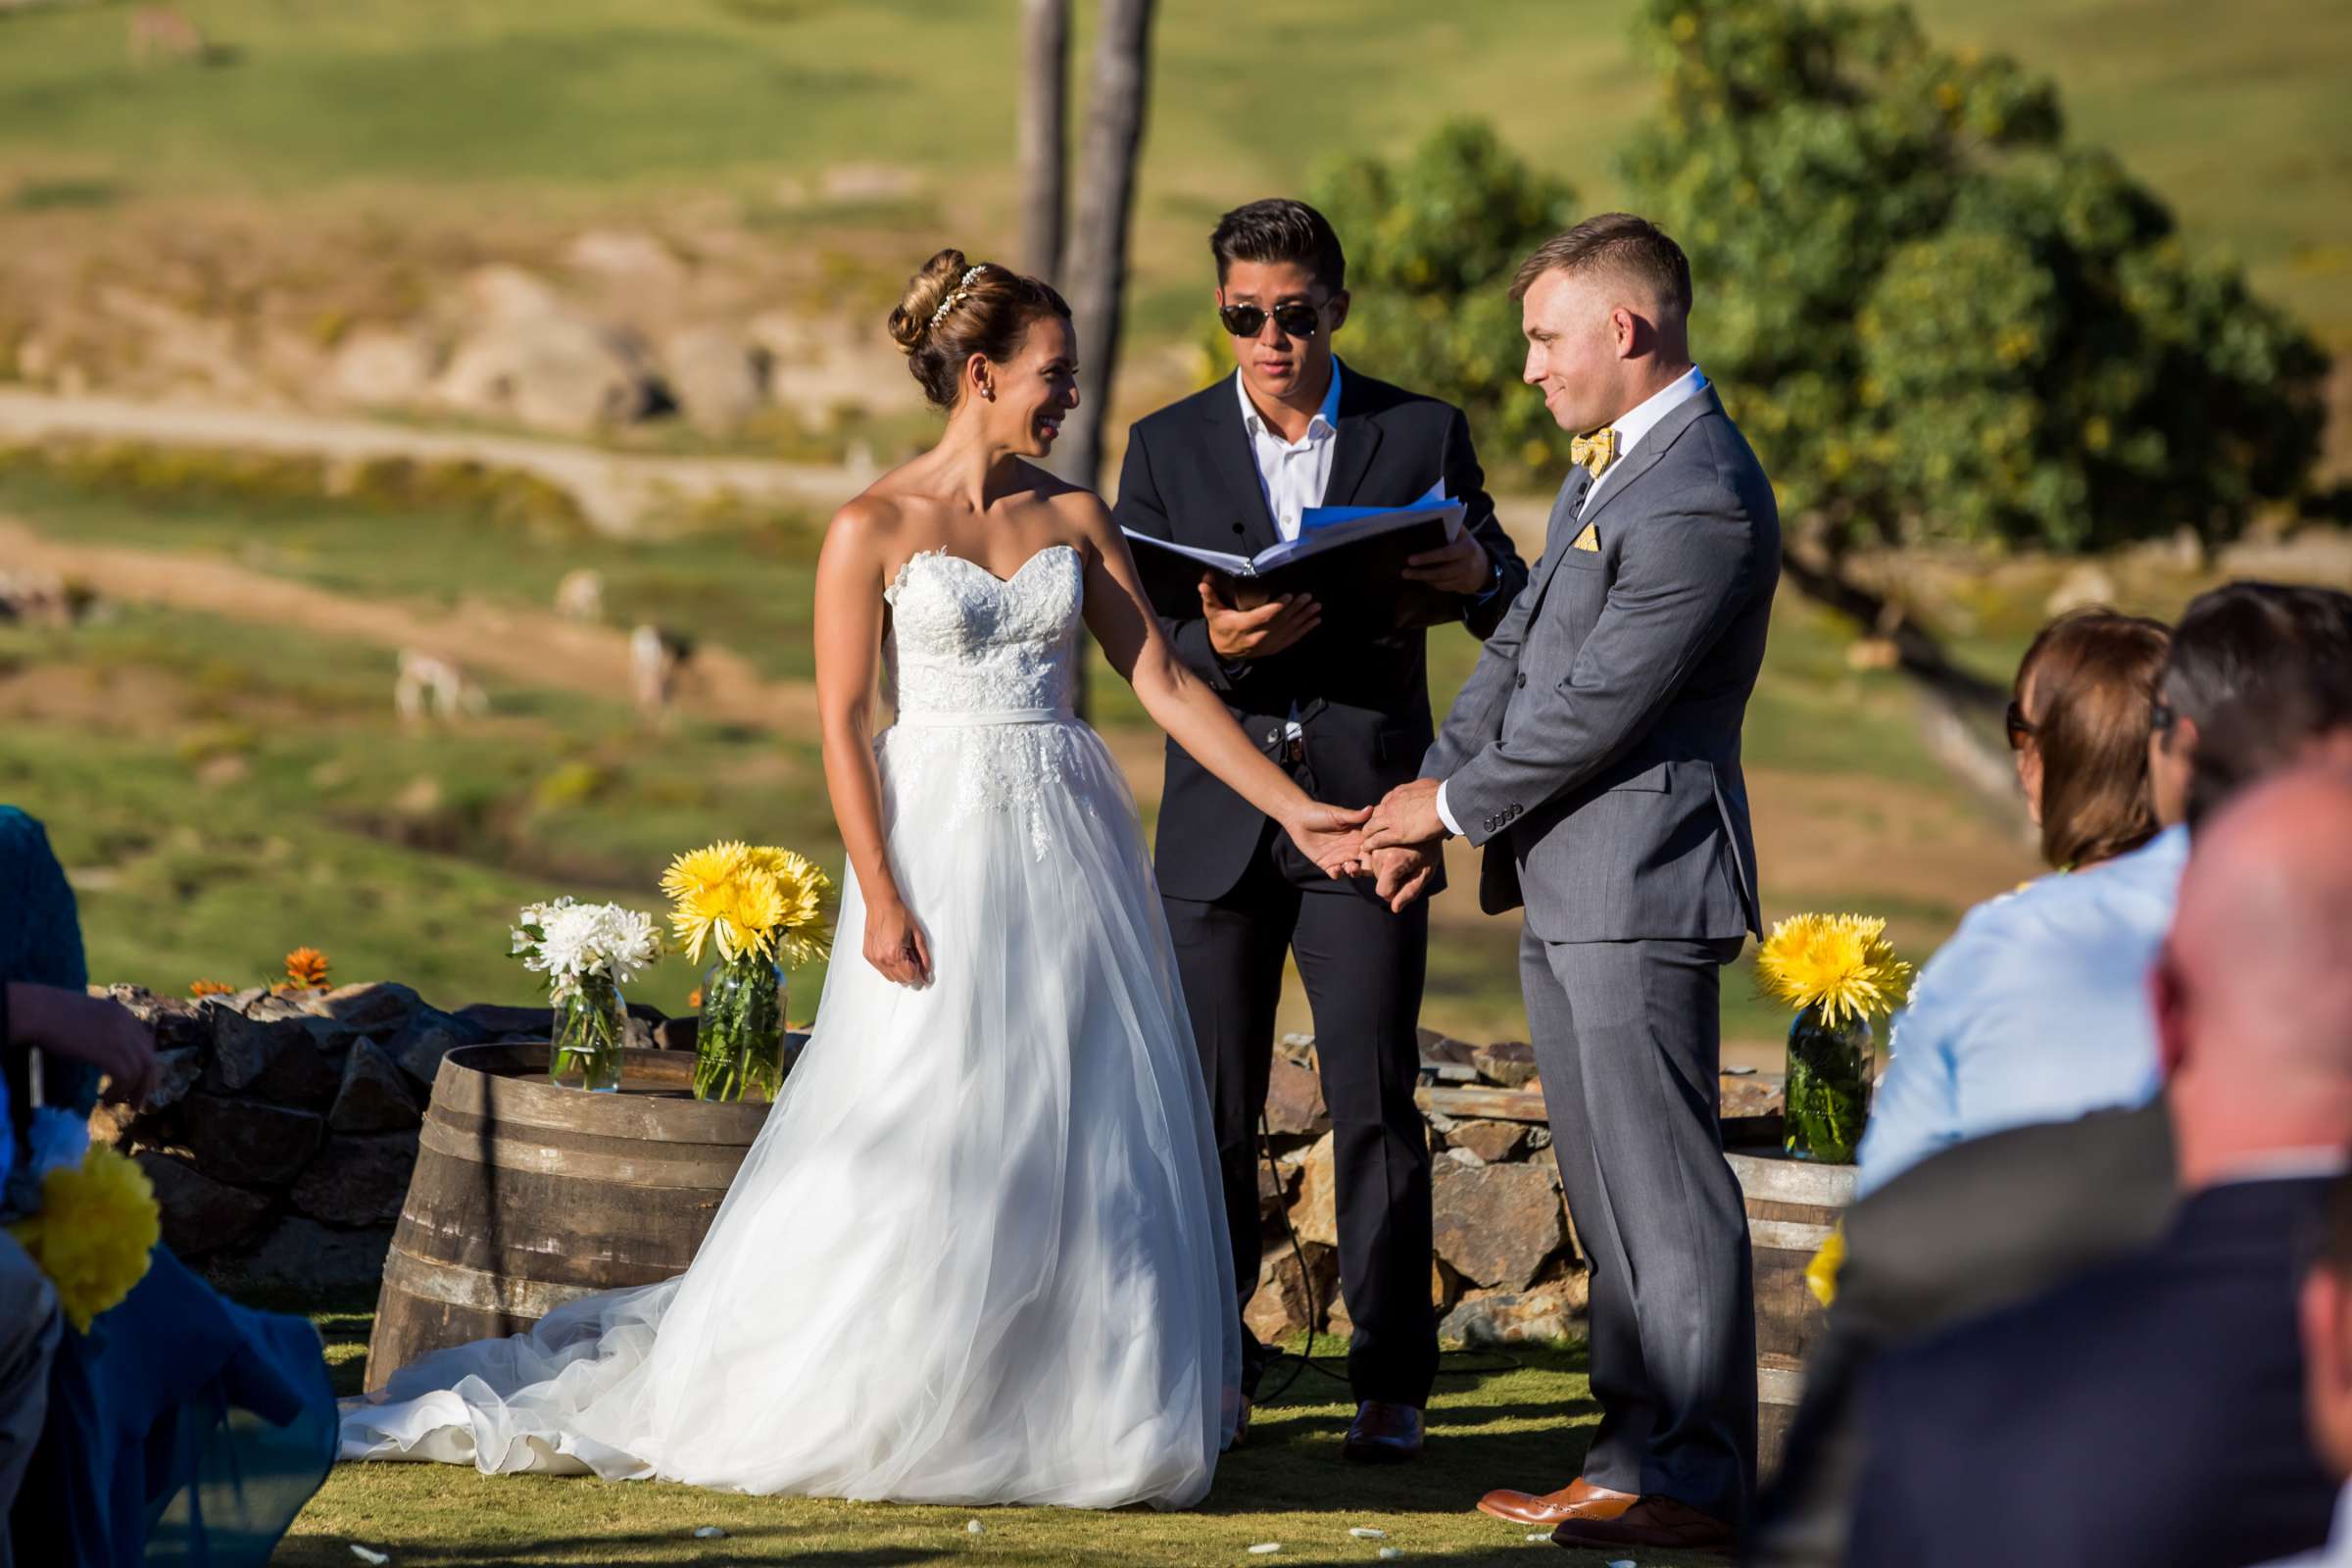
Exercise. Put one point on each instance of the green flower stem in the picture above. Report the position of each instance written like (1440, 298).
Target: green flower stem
(739, 1045)
(589, 1027)
(1827, 1097)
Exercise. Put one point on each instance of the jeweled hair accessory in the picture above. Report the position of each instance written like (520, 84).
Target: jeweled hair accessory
(962, 285)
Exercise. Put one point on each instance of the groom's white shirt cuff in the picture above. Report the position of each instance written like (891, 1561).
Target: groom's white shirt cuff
(1446, 816)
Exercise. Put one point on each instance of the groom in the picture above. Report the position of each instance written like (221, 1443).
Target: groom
(1231, 469)
(1595, 755)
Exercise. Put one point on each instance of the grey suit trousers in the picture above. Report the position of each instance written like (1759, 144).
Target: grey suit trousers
(29, 1326)
(1628, 1041)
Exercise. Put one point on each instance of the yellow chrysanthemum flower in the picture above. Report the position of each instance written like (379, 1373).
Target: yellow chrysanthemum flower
(99, 1221)
(805, 931)
(1821, 1274)
(1842, 964)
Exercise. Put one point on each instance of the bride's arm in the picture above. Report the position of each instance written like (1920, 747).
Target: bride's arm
(848, 643)
(1119, 615)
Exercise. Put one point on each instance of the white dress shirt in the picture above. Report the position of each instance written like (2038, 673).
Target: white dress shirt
(1631, 428)
(2337, 1553)
(1292, 474)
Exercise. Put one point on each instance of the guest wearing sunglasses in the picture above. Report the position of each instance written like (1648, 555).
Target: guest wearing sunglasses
(1986, 1041)
(1231, 469)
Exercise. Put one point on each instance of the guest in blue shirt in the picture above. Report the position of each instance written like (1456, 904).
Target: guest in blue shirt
(2037, 1009)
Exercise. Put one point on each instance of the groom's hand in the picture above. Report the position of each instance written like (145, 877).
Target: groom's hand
(1401, 876)
(1261, 633)
(1407, 815)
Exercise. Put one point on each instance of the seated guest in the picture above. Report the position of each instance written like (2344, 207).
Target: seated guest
(2326, 1321)
(2261, 677)
(181, 1427)
(2032, 1011)
(2150, 1411)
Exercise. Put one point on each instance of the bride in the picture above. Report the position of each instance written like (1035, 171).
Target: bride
(978, 1251)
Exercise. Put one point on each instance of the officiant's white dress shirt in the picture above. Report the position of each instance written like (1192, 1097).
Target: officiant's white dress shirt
(1631, 430)
(1294, 474)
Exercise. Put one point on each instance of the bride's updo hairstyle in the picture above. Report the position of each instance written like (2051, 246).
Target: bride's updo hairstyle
(952, 309)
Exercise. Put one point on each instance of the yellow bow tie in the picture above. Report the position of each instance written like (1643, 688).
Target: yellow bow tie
(1596, 452)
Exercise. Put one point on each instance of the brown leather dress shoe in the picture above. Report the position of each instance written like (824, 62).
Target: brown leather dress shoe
(1578, 1500)
(1655, 1520)
(1384, 1433)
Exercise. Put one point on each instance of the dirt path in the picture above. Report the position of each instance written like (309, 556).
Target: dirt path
(616, 492)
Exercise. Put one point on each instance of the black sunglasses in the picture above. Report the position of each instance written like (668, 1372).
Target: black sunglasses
(2018, 726)
(2161, 716)
(1297, 319)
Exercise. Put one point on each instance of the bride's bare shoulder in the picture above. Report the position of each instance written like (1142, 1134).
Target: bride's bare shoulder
(865, 528)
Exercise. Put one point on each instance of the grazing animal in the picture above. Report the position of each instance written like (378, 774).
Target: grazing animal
(580, 596)
(657, 657)
(430, 686)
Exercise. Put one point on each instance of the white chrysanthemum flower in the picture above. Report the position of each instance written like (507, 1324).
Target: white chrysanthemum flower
(576, 940)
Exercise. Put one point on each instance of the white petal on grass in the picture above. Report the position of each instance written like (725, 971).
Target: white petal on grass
(1390, 1553)
(369, 1555)
(1539, 1536)
(1265, 1548)
(974, 1528)
(1367, 1532)
(709, 1533)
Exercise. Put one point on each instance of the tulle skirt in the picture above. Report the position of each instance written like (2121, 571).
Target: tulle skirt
(976, 1255)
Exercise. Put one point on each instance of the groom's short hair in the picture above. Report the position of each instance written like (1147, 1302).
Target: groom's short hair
(1634, 248)
(1280, 230)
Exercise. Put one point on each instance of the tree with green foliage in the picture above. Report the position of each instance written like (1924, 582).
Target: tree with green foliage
(1936, 318)
(1432, 243)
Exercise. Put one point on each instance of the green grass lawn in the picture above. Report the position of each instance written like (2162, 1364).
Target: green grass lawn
(506, 105)
(1492, 1423)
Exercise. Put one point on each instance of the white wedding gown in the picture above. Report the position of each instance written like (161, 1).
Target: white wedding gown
(977, 1254)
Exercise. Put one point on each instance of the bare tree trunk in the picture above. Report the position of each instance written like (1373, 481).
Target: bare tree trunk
(1045, 109)
(1098, 264)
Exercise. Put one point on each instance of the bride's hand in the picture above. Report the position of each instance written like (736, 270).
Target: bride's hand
(896, 945)
(1332, 838)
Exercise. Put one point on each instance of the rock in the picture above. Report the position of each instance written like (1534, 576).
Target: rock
(1445, 1286)
(1284, 1299)
(200, 1214)
(1276, 1187)
(274, 1006)
(359, 1181)
(718, 377)
(246, 1142)
(303, 1254)
(1516, 1317)
(372, 1008)
(1746, 1095)
(380, 368)
(1495, 1143)
(430, 1035)
(1315, 1215)
(637, 261)
(500, 1022)
(1294, 1101)
(243, 1047)
(2087, 585)
(1444, 1059)
(1508, 1063)
(375, 1095)
(307, 1072)
(1497, 1225)
(1468, 1158)
(503, 293)
(176, 1073)
(552, 371)
(1299, 1050)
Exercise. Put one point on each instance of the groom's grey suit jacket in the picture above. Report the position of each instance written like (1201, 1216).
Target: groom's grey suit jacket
(1594, 752)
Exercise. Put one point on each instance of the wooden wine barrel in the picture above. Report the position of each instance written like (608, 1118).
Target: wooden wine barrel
(527, 1195)
(1792, 1207)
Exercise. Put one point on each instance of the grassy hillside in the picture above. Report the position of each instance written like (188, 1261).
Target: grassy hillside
(501, 104)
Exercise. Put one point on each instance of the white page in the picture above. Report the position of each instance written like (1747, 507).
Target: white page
(1332, 535)
(1231, 565)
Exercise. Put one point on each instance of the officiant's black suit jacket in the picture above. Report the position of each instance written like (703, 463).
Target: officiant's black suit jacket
(1363, 703)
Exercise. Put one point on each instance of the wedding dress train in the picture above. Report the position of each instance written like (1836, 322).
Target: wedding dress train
(977, 1254)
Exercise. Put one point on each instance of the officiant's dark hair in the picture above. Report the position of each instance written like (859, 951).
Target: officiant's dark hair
(1279, 229)
(1633, 246)
(952, 309)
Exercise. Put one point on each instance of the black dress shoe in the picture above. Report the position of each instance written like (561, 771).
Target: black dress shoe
(1384, 1433)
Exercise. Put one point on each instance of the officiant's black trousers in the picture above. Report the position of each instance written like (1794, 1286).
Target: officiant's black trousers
(1362, 968)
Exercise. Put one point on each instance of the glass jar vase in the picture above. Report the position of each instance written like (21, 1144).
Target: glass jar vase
(739, 1042)
(1826, 1097)
(584, 1044)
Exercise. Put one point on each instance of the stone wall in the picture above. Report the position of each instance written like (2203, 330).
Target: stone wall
(284, 1132)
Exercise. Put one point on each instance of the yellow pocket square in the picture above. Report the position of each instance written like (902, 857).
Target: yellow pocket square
(1587, 540)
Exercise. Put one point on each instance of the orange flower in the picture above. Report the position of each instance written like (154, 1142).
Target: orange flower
(694, 999)
(306, 966)
(211, 988)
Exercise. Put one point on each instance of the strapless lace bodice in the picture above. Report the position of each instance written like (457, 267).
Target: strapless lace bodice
(985, 669)
(964, 643)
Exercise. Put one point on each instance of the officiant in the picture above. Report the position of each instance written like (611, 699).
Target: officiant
(1345, 709)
